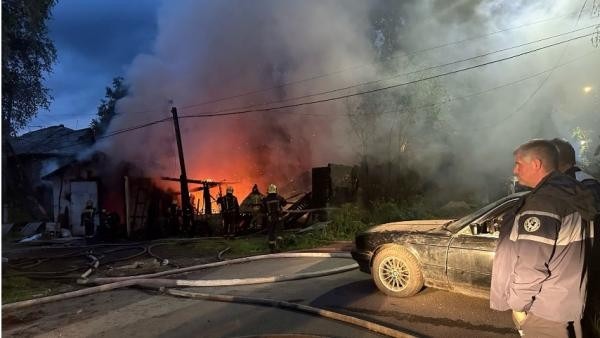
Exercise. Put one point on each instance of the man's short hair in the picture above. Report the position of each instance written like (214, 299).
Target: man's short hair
(544, 150)
(566, 153)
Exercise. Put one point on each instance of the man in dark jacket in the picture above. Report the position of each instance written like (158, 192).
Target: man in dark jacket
(230, 210)
(539, 269)
(273, 205)
(567, 165)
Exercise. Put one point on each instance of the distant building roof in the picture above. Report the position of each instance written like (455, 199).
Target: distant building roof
(55, 140)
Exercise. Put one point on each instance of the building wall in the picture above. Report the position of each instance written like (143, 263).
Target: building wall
(65, 198)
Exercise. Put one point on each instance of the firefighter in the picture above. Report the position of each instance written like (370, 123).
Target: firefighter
(87, 220)
(230, 210)
(104, 230)
(173, 218)
(256, 207)
(273, 207)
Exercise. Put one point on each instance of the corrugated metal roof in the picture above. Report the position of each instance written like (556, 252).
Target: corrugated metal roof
(56, 140)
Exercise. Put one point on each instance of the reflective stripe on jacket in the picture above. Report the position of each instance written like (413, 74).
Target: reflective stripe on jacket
(541, 259)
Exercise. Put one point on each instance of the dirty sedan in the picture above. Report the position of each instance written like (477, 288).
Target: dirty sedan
(454, 255)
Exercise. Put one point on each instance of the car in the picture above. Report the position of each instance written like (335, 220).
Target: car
(454, 255)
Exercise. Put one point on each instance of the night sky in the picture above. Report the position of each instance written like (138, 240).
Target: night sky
(96, 40)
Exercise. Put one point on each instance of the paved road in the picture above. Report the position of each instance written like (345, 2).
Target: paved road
(139, 313)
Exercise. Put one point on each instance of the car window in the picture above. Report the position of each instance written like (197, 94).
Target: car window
(491, 209)
(489, 224)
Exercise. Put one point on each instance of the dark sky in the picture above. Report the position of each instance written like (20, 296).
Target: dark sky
(96, 40)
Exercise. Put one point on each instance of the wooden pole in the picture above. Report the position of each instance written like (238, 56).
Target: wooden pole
(186, 208)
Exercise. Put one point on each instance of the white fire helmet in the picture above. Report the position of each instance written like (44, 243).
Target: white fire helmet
(230, 190)
(272, 189)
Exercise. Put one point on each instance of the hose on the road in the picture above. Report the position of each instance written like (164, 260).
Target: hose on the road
(166, 282)
(102, 280)
(222, 252)
(65, 274)
(292, 306)
(162, 284)
(95, 263)
(147, 280)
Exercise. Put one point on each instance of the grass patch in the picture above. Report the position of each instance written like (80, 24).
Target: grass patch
(247, 246)
(18, 288)
(350, 219)
(243, 246)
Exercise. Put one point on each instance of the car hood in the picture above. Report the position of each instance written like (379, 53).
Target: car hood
(410, 226)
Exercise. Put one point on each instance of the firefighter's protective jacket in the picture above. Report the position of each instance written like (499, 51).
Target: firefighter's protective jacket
(273, 205)
(541, 263)
(229, 204)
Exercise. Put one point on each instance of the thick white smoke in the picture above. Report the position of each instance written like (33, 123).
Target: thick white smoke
(207, 50)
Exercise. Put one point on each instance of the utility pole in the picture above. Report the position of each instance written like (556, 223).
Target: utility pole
(186, 208)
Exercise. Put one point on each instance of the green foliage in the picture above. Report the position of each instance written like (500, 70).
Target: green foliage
(393, 211)
(346, 222)
(305, 241)
(106, 109)
(349, 220)
(247, 246)
(27, 54)
(17, 288)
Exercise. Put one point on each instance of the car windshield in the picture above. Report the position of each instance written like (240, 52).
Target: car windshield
(460, 223)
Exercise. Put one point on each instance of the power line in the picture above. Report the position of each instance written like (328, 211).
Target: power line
(125, 130)
(365, 65)
(542, 83)
(343, 96)
(316, 77)
(391, 111)
(335, 98)
(536, 90)
(492, 89)
(363, 84)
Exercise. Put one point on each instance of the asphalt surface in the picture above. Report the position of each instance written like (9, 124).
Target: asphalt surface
(143, 313)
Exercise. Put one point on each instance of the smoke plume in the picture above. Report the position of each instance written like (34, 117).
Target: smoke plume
(233, 55)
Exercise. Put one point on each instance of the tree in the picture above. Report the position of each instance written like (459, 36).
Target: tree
(106, 109)
(27, 54)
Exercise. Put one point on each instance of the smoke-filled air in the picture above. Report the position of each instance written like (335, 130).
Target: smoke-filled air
(424, 97)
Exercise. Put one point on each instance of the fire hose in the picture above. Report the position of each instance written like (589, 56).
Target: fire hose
(95, 264)
(292, 306)
(96, 258)
(149, 281)
(103, 280)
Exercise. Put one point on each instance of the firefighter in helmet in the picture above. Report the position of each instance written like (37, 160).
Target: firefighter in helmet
(256, 207)
(87, 220)
(230, 210)
(273, 205)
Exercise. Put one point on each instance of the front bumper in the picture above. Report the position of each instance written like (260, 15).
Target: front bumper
(363, 258)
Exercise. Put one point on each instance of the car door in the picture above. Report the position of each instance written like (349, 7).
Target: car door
(471, 253)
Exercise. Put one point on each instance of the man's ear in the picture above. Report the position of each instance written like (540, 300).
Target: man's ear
(537, 163)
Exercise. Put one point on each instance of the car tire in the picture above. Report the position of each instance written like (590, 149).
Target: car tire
(397, 272)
